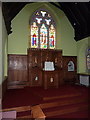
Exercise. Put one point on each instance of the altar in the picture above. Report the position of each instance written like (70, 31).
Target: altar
(44, 67)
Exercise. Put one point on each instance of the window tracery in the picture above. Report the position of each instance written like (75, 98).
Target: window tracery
(43, 30)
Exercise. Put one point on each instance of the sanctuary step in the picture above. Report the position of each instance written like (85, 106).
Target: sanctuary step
(56, 93)
(74, 116)
(65, 106)
(63, 102)
(65, 110)
(54, 103)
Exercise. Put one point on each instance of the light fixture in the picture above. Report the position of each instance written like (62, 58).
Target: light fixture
(74, 23)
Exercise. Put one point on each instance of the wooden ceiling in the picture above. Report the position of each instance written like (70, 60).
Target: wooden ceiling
(78, 13)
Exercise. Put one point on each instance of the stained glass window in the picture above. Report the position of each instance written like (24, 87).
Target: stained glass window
(88, 62)
(34, 35)
(43, 30)
(88, 59)
(43, 36)
(52, 37)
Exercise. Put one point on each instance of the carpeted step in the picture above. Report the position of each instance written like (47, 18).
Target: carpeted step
(79, 114)
(62, 110)
(53, 91)
(67, 98)
(62, 92)
(63, 102)
(61, 96)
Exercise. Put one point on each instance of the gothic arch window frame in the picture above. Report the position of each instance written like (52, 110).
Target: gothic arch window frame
(71, 66)
(88, 59)
(47, 22)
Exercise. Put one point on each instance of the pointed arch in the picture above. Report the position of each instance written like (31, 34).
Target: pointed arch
(42, 30)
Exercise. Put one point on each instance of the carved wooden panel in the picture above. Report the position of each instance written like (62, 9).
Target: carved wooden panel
(58, 59)
(69, 76)
(47, 55)
(36, 60)
(44, 57)
(50, 79)
(23, 71)
(35, 77)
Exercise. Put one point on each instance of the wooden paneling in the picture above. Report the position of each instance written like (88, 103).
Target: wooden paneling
(50, 79)
(34, 67)
(35, 75)
(27, 69)
(4, 86)
(69, 76)
(36, 60)
(58, 59)
(17, 71)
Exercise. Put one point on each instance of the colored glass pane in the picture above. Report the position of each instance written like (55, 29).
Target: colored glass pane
(47, 21)
(34, 35)
(39, 20)
(52, 37)
(88, 61)
(43, 13)
(43, 36)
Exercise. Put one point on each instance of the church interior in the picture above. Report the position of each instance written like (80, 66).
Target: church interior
(44, 60)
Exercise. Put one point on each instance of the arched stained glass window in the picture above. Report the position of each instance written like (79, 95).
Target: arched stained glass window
(42, 30)
(34, 35)
(43, 36)
(52, 37)
(88, 59)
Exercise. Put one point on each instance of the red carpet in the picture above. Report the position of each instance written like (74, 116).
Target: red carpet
(37, 95)
(19, 97)
(74, 115)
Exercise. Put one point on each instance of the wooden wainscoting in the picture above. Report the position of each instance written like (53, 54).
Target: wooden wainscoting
(24, 69)
(69, 76)
(17, 71)
(4, 86)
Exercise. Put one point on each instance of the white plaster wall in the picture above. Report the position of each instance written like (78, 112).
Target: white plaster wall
(0, 55)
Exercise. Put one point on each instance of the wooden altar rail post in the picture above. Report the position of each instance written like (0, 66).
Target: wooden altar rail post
(37, 113)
